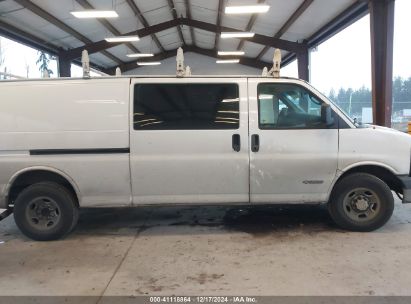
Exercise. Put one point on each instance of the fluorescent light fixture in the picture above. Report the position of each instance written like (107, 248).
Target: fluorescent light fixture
(228, 61)
(94, 14)
(140, 55)
(237, 35)
(149, 63)
(122, 39)
(231, 53)
(247, 9)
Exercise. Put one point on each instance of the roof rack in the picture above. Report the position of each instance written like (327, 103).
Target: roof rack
(182, 70)
(275, 70)
(85, 62)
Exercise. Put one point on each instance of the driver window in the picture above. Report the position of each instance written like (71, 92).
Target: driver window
(288, 106)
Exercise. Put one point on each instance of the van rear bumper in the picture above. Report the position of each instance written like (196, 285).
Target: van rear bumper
(406, 188)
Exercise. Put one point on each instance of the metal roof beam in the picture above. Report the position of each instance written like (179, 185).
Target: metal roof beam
(133, 64)
(107, 25)
(218, 23)
(143, 20)
(57, 23)
(355, 12)
(188, 15)
(352, 14)
(297, 13)
(213, 53)
(102, 44)
(175, 17)
(189, 48)
(249, 26)
(259, 39)
(13, 33)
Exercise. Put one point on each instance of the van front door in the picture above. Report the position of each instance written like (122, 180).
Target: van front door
(293, 156)
(189, 141)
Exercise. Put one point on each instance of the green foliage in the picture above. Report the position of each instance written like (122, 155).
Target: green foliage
(352, 101)
(43, 62)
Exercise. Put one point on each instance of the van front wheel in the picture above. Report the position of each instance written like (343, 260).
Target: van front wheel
(361, 202)
(45, 211)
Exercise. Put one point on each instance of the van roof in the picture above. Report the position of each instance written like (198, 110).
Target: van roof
(143, 76)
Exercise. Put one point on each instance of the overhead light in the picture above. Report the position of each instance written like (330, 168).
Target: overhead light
(228, 61)
(94, 14)
(122, 39)
(149, 63)
(140, 55)
(247, 9)
(237, 35)
(233, 53)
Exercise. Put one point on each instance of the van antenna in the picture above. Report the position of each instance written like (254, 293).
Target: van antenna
(118, 71)
(85, 61)
(180, 63)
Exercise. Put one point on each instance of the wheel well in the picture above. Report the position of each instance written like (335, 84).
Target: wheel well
(382, 173)
(35, 176)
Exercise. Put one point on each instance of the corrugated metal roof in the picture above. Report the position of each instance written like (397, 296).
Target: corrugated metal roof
(318, 14)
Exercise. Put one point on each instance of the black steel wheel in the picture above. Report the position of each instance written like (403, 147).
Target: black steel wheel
(361, 202)
(45, 211)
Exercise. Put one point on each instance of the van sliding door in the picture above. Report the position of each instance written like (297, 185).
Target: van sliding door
(189, 141)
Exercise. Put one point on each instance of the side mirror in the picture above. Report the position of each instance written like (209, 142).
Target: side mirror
(326, 114)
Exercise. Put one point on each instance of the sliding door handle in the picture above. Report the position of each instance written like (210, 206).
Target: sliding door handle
(236, 142)
(255, 142)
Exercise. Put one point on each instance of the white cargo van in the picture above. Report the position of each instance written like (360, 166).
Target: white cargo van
(127, 141)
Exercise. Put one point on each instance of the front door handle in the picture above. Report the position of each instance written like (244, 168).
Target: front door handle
(255, 142)
(236, 142)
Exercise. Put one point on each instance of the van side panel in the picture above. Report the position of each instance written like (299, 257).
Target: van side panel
(377, 146)
(79, 127)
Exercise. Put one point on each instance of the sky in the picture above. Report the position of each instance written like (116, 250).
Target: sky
(342, 61)
(345, 61)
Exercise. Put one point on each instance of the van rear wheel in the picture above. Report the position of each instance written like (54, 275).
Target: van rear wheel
(361, 202)
(45, 211)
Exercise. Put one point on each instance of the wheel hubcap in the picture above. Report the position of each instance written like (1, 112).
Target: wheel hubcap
(43, 213)
(361, 204)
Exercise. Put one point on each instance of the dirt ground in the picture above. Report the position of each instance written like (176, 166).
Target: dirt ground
(293, 250)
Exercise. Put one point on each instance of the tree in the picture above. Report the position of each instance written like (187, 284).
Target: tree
(332, 95)
(43, 62)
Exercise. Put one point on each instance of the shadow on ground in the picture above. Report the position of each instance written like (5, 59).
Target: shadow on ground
(256, 220)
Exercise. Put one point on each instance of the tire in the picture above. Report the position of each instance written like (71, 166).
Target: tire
(361, 202)
(45, 211)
